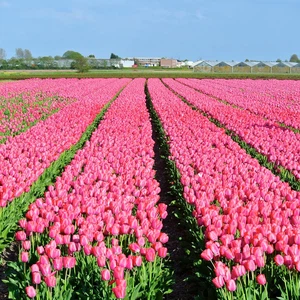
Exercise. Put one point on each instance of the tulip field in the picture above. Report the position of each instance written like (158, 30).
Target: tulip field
(83, 195)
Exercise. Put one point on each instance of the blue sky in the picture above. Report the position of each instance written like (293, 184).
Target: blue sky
(185, 29)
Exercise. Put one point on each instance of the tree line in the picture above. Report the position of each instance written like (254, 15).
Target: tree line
(23, 59)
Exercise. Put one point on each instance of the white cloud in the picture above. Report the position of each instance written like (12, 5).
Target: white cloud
(70, 16)
(168, 16)
(73, 15)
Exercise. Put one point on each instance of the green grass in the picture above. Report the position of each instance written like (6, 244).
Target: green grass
(155, 72)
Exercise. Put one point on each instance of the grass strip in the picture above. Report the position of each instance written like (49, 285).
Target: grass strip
(142, 73)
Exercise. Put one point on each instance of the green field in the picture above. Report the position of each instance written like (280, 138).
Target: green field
(135, 73)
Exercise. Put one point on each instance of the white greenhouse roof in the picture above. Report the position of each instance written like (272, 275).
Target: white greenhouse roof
(270, 64)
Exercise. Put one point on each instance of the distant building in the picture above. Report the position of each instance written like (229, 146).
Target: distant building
(127, 63)
(168, 63)
(146, 61)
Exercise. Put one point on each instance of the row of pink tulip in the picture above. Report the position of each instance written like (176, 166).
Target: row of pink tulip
(108, 192)
(25, 157)
(20, 113)
(34, 101)
(286, 92)
(246, 211)
(271, 106)
(280, 145)
(15, 88)
(279, 93)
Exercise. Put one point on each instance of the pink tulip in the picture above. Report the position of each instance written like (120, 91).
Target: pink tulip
(34, 268)
(69, 262)
(24, 256)
(261, 279)
(36, 278)
(207, 254)
(162, 252)
(105, 274)
(20, 236)
(30, 291)
(218, 282)
(26, 245)
(279, 260)
(150, 254)
(119, 291)
(58, 263)
(101, 261)
(50, 281)
(231, 285)
(137, 261)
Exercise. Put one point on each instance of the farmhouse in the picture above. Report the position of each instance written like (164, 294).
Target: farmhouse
(168, 63)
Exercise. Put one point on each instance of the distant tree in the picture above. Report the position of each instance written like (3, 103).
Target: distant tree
(92, 56)
(81, 64)
(27, 54)
(72, 55)
(2, 54)
(19, 53)
(278, 60)
(246, 59)
(57, 57)
(294, 58)
(114, 56)
(45, 62)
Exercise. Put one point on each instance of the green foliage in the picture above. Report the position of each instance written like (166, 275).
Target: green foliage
(294, 58)
(114, 56)
(72, 55)
(81, 64)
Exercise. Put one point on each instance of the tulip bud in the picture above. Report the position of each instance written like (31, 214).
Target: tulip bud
(101, 261)
(58, 263)
(207, 254)
(218, 282)
(150, 254)
(24, 257)
(50, 281)
(69, 262)
(26, 245)
(137, 261)
(105, 274)
(119, 292)
(20, 236)
(36, 277)
(261, 279)
(118, 272)
(34, 268)
(279, 260)
(30, 291)
(162, 252)
(231, 285)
